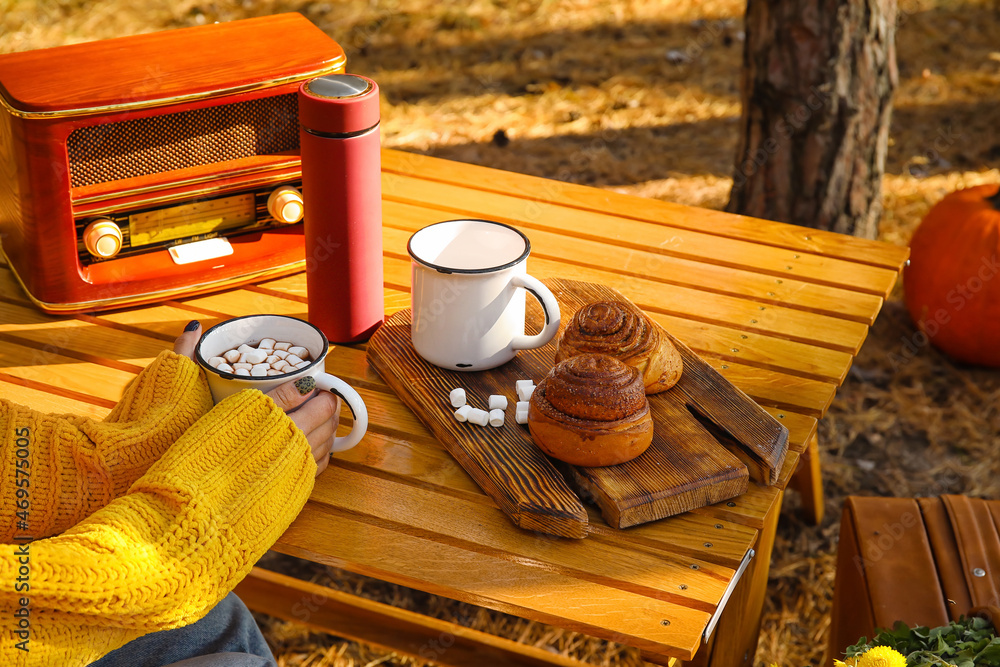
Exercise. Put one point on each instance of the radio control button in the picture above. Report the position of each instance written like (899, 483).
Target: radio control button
(285, 205)
(102, 238)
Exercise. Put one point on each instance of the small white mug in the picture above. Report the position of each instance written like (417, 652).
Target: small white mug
(251, 329)
(469, 279)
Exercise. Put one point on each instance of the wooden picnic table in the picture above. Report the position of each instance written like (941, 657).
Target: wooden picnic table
(779, 310)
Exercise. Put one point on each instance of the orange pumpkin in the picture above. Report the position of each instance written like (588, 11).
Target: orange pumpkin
(952, 284)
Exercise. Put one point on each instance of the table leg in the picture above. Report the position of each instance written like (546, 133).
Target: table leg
(808, 481)
(734, 642)
(346, 615)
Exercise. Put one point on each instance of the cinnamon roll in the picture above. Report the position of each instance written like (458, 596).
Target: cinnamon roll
(591, 410)
(624, 332)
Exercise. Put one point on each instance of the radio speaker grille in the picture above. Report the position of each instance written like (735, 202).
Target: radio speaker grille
(145, 146)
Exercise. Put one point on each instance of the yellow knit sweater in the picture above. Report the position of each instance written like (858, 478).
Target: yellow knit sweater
(143, 521)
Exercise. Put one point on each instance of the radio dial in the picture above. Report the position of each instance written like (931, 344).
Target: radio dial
(102, 238)
(285, 205)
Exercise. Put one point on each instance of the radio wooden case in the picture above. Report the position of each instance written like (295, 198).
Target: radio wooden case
(120, 159)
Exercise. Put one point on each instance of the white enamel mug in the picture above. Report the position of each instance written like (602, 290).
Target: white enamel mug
(469, 280)
(251, 329)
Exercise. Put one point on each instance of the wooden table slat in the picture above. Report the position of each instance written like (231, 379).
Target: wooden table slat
(666, 269)
(458, 202)
(453, 521)
(497, 583)
(61, 374)
(43, 399)
(741, 313)
(569, 194)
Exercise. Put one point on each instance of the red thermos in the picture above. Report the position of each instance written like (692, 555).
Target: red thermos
(342, 197)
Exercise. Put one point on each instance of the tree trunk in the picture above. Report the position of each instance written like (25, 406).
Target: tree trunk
(818, 78)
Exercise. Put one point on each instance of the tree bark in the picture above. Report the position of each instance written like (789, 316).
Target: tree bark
(817, 84)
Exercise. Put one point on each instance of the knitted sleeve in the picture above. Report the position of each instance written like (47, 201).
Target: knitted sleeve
(168, 550)
(75, 465)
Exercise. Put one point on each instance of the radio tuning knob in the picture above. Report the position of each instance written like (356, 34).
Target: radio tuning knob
(102, 238)
(285, 204)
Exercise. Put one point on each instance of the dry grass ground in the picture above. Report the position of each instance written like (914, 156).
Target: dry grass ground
(641, 96)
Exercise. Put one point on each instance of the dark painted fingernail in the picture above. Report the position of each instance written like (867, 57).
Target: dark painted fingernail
(305, 385)
(192, 325)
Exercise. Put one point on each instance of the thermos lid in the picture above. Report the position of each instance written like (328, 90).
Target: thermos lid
(338, 104)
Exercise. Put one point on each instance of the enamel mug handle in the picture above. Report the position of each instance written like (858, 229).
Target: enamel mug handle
(549, 305)
(331, 383)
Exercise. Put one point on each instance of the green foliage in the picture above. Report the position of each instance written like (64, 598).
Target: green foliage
(971, 642)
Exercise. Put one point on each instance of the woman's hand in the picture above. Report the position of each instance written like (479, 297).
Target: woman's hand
(316, 413)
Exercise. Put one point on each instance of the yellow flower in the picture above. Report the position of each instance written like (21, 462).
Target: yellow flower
(882, 656)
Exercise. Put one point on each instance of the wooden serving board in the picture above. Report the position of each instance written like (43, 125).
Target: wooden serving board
(706, 434)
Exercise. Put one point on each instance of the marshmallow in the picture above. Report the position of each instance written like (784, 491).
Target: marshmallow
(266, 344)
(524, 389)
(232, 356)
(302, 364)
(272, 360)
(521, 415)
(462, 414)
(496, 417)
(241, 371)
(293, 359)
(259, 371)
(253, 357)
(224, 368)
(282, 346)
(478, 417)
(300, 352)
(274, 372)
(457, 397)
(244, 348)
(215, 361)
(498, 402)
(242, 365)
(281, 354)
(281, 365)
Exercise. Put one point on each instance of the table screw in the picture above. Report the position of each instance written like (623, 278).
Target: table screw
(683, 587)
(724, 366)
(809, 238)
(694, 566)
(718, 526)
(795, 256)
(771, 294)
(734, 349)
(664, 622)
(708, 545)
(730, 504)
(743, 336)
(753, 321)
(978, 572)
(789, 267)
(763, 308)
(779, 281)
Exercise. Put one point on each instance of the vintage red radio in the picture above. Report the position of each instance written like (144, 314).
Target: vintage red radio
(143, 168)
